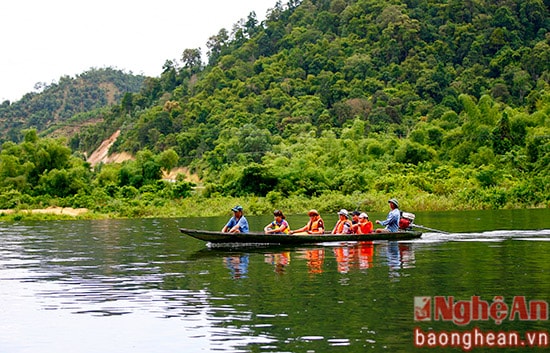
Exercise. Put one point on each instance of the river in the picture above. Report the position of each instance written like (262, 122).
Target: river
(140, 286)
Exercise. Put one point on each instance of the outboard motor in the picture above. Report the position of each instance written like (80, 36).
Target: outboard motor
(406, 220)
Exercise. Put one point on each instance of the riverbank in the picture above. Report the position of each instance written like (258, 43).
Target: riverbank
(49, 213)
(200, 206)
(69, 211)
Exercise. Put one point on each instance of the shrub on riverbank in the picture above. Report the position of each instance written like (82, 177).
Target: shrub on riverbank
(197, 205)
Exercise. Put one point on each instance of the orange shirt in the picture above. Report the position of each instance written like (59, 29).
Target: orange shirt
(342, 227)
(365, 227)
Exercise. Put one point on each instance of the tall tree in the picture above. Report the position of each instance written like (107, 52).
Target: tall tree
(191, 59)
(502, 135)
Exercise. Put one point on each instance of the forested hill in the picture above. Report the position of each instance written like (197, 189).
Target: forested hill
(445, 104)
(329, 94)
(58, 103)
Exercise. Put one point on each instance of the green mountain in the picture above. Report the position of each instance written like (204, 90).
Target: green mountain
(66, 104)
(445, 82)
(443, 103)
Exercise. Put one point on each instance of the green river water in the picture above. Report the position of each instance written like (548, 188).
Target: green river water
(140, 286)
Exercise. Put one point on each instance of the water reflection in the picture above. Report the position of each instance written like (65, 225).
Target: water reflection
(238, 265)
(354, 256)
(59, 279)
(279, 260)
(349, 257)
(398, 256)
(360, 255)
(314, 258)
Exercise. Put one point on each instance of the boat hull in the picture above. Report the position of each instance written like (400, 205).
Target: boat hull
(261, 238)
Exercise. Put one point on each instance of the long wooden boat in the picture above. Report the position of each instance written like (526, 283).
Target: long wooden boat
(283, 239)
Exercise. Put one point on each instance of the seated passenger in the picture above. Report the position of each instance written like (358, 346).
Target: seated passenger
(279, 224)
(355, 217)
(364, 226)
(315, 225)
(343, 226)
(237, 223)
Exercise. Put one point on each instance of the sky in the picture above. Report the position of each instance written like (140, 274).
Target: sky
(42, 41)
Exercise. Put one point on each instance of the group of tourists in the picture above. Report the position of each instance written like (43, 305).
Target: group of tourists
(356, 223)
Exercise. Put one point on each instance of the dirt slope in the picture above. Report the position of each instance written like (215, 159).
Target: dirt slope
(101, 154)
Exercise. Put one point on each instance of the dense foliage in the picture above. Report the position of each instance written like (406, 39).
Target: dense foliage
(445, 104)
(43, 172)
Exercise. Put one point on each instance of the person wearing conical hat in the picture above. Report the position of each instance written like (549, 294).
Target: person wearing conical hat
(391, 223)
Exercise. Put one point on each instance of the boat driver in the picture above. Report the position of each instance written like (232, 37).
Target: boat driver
(392, 221)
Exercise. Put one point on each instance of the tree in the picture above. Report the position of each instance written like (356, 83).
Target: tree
(216, 44)
(532, 14)
(168, 76)
(413, 152)
(488, 176)
(63, 182)
(537, 61)
(501, 135)
(505, 18)
(191, 59)
(148, 166)
(522, 84)
(30, 136)
(168, 159)
(251, 24)
(127, 102)
(257, 179)
(470, 108)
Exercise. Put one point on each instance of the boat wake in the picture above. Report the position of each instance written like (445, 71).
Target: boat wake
(490, 236)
